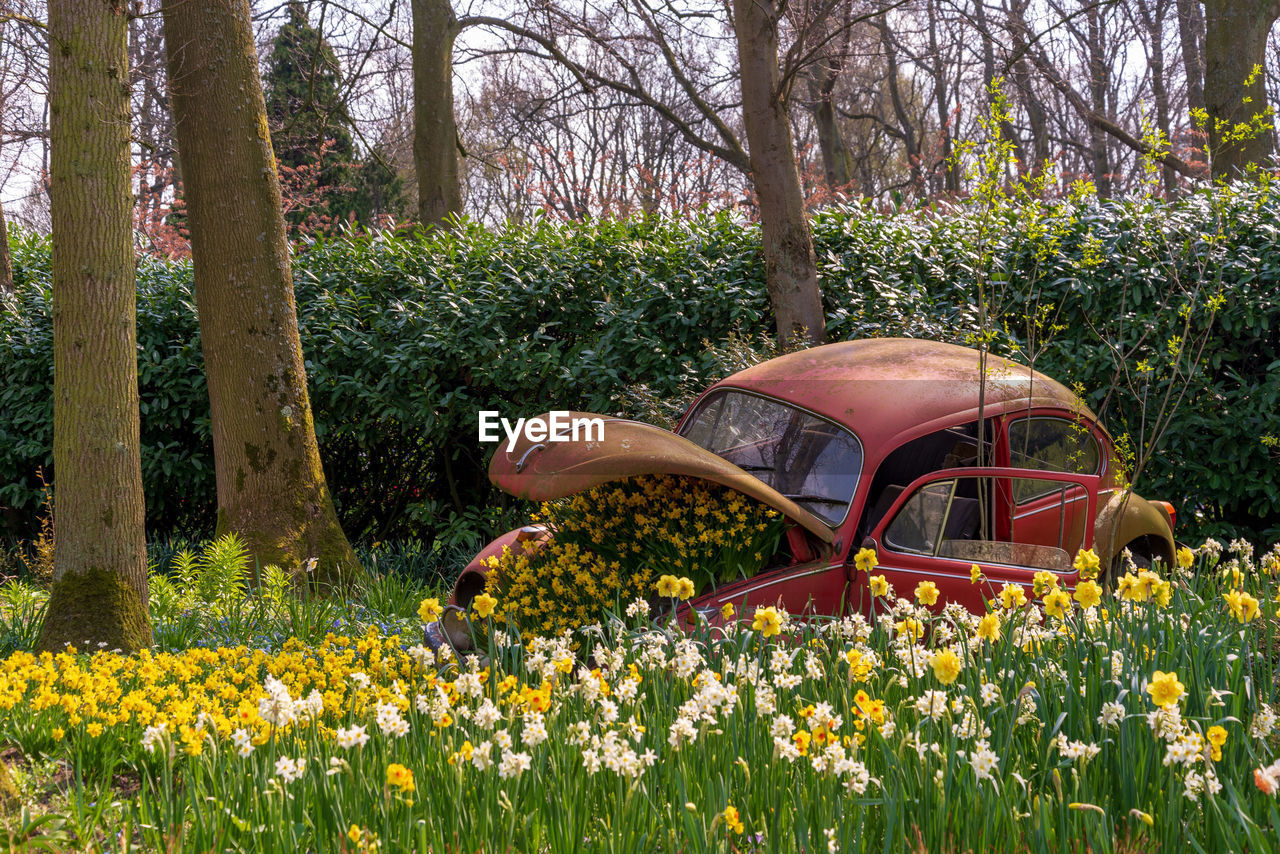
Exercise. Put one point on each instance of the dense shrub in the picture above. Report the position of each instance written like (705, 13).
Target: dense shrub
(405, 339)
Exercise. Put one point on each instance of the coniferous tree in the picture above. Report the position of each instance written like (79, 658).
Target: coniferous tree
(311, 132)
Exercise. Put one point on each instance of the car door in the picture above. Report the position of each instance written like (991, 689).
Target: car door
(818, 587)
(947, 521)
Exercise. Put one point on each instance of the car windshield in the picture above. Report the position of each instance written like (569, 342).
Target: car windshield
(810, 460)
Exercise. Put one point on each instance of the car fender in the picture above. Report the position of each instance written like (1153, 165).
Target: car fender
(1126, 517)
(472, 579)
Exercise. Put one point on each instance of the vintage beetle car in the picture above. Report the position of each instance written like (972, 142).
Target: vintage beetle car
(876, 443)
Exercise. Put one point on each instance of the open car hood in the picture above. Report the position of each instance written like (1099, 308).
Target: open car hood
(541, 471)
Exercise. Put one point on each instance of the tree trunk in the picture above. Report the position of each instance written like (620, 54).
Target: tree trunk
(791, 270)
(910, 142)
(1099, 82)
(942, 106)
(837, 160)
(1191, 37)
(99, 590)
(435, 132)
(1007, 130)
(1234, 93)
(271, 487)
(6, 263)
(1037, 117)
(1153, 18)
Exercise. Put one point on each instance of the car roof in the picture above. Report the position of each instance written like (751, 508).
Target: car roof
(883, 388)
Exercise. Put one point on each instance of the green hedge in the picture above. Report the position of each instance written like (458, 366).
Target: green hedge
(405, 339)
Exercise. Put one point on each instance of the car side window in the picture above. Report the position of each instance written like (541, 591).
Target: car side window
(1050, 444)
(918, 525)
(956, 518)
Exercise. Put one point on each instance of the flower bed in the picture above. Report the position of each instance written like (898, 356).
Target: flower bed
(611, 544)
(1142, 721)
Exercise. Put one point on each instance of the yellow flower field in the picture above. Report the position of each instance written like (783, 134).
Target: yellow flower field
(1139, 719)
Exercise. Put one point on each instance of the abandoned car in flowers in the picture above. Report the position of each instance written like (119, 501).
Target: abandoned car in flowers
(891, 445)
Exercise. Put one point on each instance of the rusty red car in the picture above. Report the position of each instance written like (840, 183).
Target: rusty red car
(907, 447)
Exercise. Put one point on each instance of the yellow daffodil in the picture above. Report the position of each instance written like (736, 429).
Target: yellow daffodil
(975, 574)
(1088, 594)
(1012, 596)
(1086, 563)
(483, 605)
(400, 777)
(1185, 557)
(1043, 582)
(879, 585)
(684, 588)
(946, 666)
(429, 610)
(1165, 689)
(989, 627)
(910, 627)
(1217, 736)
(926, 593)
(1056, 603)
(767, 621)
(732, 821)
(865, 560)
(1242, 606)
(726, 610)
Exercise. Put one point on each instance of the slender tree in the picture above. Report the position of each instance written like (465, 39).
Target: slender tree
(99, 590)
(435, 130)
(271, 487)
(791, 271)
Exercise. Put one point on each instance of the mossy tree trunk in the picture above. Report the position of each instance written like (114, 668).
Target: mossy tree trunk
(99, 590)
(1235, 92)
(791, 271)
(271, 487)
(435, 130)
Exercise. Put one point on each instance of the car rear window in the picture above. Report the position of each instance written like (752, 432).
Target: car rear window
(812, 461)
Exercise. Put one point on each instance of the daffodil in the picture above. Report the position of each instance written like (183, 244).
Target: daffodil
(767, 621)
(1165, 689)
(865, 560)
(879, 585)
(1086, 563)
(1012, 596)
(1088, 594)
(1241, 605)
(1043, 582)
(927, 593)
(400, 777)
(989, 627)
(429, 609)
(483, 605)
(1056, 603)
(946, 666)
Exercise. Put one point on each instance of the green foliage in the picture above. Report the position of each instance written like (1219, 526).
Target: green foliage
(405, 338)
(216, 578)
